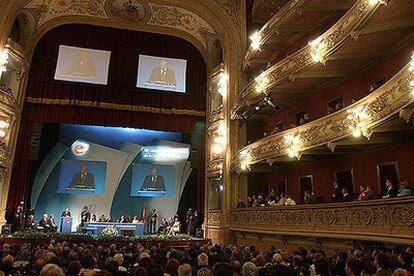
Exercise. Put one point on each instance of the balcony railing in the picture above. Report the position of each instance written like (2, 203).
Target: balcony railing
(383, 220)
(380, 105)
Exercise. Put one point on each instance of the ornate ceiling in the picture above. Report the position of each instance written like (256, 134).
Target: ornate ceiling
(135, 14)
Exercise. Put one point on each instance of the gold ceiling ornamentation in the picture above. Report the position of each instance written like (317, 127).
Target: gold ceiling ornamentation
(372, 220)
(136, 12)
(180, 18)
(332, 39)
(378, 106)
(46, 10)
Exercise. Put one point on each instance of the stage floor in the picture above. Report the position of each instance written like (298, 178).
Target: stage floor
(144, 242)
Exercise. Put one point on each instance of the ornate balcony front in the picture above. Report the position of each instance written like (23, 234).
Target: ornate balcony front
(363, 116)
(385, 220)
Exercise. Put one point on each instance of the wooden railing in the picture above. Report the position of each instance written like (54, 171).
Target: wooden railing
(382, 220)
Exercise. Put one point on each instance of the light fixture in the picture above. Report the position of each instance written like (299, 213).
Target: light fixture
(222, 84)
(220, 140)
(318, 50)
(357, 116)
(4, 124)
(375, 2)
(292, 142)
(255, 39)
(261, 83)
(4, 59)
(2, 133)
(217, 148)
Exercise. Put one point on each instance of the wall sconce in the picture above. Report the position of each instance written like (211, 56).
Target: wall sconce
(219, 140)
(255, 39)
(222, 84)
(4, 59)
(318, 48)
(244, 158)
(292, 141)
(357, 116)
(375, 2)
(411, 69)
(261, 83)
(4, 124)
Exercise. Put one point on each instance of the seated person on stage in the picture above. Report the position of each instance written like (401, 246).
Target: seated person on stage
(176, 227)
(109, 219)
(66, 213)
(82, 180)
(162, 229)
(30, 223)
(51, 222)
(43, 223)
(93, 218)
(153, 182)
(102, 218)
(123, 219)
(136, 220)
(129, 218)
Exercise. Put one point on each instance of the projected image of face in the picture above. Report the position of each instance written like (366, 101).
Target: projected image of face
(153, 182)
(82, 180)
(162, 76)
(83, 67)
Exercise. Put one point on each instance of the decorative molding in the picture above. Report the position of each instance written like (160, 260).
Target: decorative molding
(152, 15)
(124, 107)
(332, 39)
(215, 168)
(391, 219)
(380, 105)
(180, 18)
(214, 217)
(8, 103)
(273, 25)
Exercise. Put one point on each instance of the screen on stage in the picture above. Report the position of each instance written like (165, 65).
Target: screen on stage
(167, 74)
(82, 65)
(81, 177)
(153, 180)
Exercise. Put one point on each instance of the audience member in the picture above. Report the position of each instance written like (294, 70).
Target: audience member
(405, 189)
(391, 189)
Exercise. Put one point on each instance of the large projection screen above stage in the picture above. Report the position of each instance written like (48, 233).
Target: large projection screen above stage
(82, 65)
(167, 74)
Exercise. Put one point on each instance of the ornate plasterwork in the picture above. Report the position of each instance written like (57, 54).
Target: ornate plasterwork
(373, 218)
(332, 40)
(273, 25)
(380, 105)
(214, 217)
(215, 168)
(46, 10)
(158, 15)
(179, 18)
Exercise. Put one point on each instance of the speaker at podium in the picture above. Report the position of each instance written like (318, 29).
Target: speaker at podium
(66, 224)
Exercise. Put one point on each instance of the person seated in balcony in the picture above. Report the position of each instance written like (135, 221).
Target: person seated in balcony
(310, 198)
(261, 201)
(289, 200)
(405, 189)
(346, 196)
(337, 194)
(282, 199)
(370, 193)
(272, 200)
(391, 189)
(241, 204)
(255, 201)
(249, 202)
(362, 192)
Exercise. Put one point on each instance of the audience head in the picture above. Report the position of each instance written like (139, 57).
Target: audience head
(249, 269)
(202, 259)
(51, 270)
(184, 270)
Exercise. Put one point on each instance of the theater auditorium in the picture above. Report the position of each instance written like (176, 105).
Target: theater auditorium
(207, 137)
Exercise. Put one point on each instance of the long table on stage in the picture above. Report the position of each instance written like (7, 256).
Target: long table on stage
(123, 229)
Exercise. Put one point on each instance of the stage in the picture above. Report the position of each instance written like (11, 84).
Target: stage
(145, 240)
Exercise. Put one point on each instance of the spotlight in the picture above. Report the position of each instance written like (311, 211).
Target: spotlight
(356, 133)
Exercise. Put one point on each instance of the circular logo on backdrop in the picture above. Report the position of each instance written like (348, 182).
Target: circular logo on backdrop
(79, 148)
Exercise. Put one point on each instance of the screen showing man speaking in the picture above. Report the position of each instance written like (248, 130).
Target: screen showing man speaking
(152, 180)
(161, 73)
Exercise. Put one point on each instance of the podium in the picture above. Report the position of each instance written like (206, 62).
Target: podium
(66, 225)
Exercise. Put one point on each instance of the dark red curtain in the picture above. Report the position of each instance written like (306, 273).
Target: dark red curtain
(125, 47)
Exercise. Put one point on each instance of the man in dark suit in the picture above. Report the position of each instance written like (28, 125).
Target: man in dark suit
(346, 196)
(153, 182)
(51, 223)
(66, 213)
(82, 179)
(392, 191)
(43, 223)
(162, 76)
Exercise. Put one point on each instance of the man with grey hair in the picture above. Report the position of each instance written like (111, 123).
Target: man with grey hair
(202, 260)
(185, 270)
(249, 269)
(51, 270)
